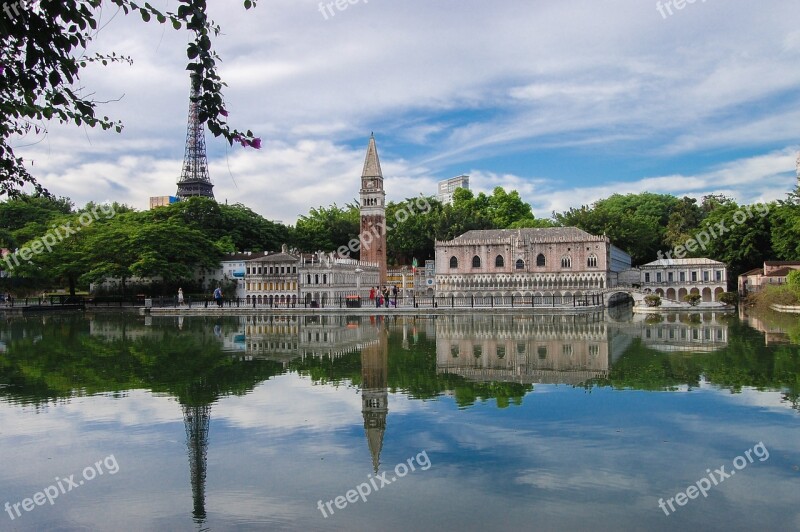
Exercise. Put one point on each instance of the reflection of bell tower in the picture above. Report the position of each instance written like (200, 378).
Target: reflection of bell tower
(374, 394)
(196, 419)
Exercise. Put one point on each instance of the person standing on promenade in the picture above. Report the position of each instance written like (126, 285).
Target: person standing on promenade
(180, 297)
(394, 295)
(371, 295)
(218, 296)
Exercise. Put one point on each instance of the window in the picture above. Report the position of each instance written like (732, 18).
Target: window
(682, 276)
(718, 275)
(520, 264)
(694, 277)
(477, 351)
(540, 260)
(499, 262)
(658, 277)
(542, 352)
(501, 351)
(453, 262)
(670, 277)
(566, 261)
(591, 262)
(705, 276)
(647, 277)
(476, 262)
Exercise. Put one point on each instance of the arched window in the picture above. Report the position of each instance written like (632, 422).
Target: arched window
(499, 262)
(591, 262)
(566, 261)
(540, 260)
(453, 262)
(325, 278)
(520, 264)
(476, 262)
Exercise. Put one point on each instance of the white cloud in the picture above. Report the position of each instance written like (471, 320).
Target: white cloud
(445, 84)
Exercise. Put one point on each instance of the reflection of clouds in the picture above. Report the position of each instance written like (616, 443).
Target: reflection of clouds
(585, 479)
(748, 396)
(290, 403)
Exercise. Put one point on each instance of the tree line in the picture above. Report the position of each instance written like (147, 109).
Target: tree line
(61, 246)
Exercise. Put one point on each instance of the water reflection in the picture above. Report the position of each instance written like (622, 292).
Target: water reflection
(431, 372)
(558, 349)
(375, 392)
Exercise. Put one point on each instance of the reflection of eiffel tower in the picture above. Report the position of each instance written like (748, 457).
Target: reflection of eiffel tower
(196, 419)
(374, 395)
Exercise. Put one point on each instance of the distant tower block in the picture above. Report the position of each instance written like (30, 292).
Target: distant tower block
(195, 180)
(373, 211)
(798, 169)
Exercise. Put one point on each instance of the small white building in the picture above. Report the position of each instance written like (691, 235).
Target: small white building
(675, 278)
(231, 269)
(327, 280)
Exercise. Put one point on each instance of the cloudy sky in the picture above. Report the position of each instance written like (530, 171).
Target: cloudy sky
(567, 102)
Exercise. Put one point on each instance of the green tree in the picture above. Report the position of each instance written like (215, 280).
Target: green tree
(784, 219)
(634, 222)
(683, 223)
(742, 246)
(327, 229)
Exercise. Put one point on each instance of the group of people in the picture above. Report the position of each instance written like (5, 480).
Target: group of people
(218, 297)
(383, 296)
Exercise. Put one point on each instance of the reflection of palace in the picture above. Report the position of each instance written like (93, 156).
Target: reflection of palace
(289, 337)
(374, 393)
(566, 349)
(695, 333)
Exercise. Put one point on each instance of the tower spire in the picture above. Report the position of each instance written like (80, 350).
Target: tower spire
(194, 180)
(372, 164)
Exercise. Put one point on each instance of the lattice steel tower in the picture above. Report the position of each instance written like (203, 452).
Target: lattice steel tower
(195, 180)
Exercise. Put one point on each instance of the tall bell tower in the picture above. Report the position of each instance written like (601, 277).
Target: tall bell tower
(373, 211)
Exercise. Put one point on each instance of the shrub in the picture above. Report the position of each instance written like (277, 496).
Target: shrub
(729, 298)
(692, 299)
(653, 300)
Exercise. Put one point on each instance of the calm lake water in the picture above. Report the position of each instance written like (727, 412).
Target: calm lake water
(478, 422)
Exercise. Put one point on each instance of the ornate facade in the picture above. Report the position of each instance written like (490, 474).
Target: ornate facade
(558, 261)
(373, 212)
(272, 280)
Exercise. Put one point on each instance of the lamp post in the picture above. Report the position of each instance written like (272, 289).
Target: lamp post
(358, 284)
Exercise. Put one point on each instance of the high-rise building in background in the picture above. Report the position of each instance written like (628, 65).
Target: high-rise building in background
(373, 212)
(195, 180)
(448, 186)
(162, 201)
